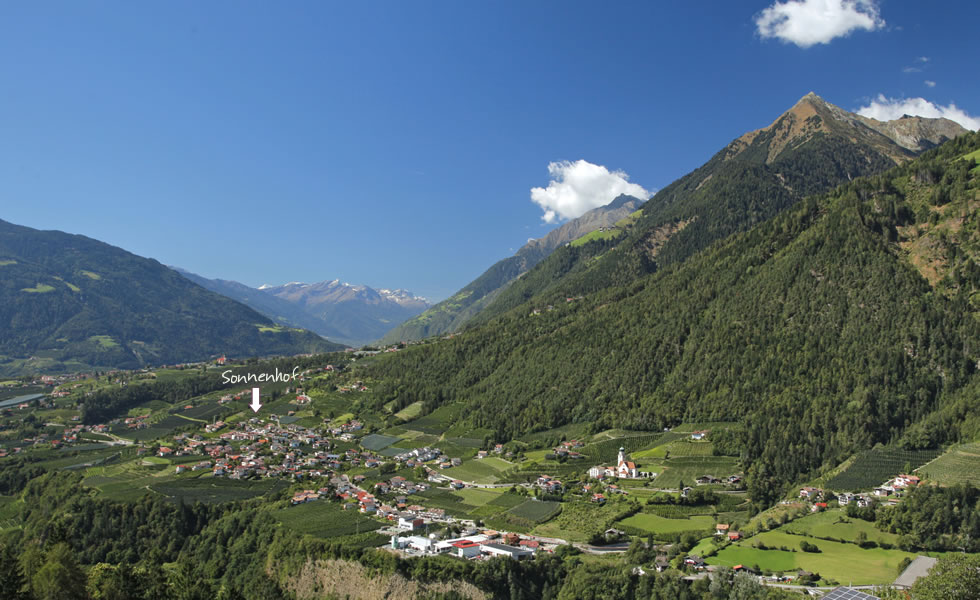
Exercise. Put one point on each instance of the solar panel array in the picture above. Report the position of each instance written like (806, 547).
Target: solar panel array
(846, 593)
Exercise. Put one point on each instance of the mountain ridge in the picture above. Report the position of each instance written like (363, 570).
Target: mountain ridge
(810, 148)
(453, 313)
(70, 302)
(352, 314)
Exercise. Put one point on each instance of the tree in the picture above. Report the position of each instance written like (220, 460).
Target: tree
(60, 578)
(954, 577)
(11, 576)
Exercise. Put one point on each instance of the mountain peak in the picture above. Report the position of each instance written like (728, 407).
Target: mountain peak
(813, 116)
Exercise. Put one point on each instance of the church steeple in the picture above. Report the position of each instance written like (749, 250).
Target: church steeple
(622, 456)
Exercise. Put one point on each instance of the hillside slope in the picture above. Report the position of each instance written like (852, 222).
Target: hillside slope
(68, 302)
(815, 330)
(811, 148)
(453, 313)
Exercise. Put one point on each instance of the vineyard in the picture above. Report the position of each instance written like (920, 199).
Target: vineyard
(535, 511)
(874, 467)
(605, 452)
(959, 465)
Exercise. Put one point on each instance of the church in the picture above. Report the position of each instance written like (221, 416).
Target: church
(624, 469)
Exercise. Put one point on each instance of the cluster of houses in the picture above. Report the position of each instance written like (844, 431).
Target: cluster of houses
(568, 450)
(268, 449)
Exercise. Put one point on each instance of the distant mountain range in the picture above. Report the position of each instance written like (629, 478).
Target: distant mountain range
(68, 303)
(350, 314)
(454, 312)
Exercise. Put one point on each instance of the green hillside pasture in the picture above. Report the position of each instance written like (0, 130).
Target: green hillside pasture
(686, 469)
(655, 524)
(325, 520)
(483, 470)
(376, 441)
(834, 524)
(608, 234)
(958, 465)
(842, 562)
(410, 412)
(216, 489)
(536, 511)
(874, 467)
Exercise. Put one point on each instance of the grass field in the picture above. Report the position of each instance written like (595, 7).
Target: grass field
(835, 524)
(873, 467)
(484, 470)
(959, 465)
(325, 519)
(846, 563)
(655, 524)
(410, 412)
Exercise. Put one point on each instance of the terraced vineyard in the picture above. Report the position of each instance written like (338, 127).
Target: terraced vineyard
(959, 465)
(873, 467)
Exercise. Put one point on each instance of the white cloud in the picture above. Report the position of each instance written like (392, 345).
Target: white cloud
(578, 187)
(930, 83)
(809, 22)
(886, 109)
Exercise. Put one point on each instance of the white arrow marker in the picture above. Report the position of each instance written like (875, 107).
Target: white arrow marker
(256, 405)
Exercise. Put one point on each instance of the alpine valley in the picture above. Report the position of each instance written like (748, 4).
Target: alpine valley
(763, 381)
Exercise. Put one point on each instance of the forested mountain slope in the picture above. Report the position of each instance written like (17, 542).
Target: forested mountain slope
(814, 329)
(811, 148)
(454, 312)
(68, 302)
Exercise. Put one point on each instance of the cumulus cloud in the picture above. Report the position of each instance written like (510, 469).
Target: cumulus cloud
(930, 83)
(578, 187)
(809, 22)
(886, 109)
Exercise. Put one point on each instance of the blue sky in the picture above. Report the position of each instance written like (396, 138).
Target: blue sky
(396, 144)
